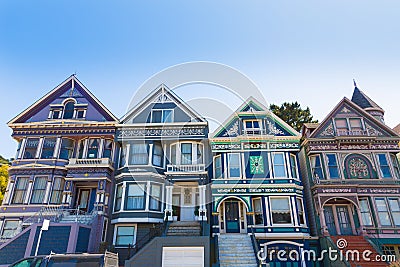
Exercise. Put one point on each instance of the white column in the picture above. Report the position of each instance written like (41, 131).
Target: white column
(21, 149)
(8, 194)
(39, 148)
(101, 148)
(147, 196)
(47, 194)
(150, 155)
(57, 148)
(295, 211)
(267, 211)
(123, 196)
(202, 197)
(28, 192)
(85, 148)
(243, 167)
(127, 154)
(168, 202)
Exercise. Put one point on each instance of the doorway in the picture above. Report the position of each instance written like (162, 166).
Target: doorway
(232, 216)
(85, 199)
(339, 219)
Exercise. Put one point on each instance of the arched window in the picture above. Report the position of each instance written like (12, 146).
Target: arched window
(358, 166)
(69, 110)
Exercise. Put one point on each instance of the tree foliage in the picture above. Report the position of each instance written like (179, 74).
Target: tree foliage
(293, 114)
(3, 176)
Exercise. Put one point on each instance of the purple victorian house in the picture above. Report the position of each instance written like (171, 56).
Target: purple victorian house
(63, 172)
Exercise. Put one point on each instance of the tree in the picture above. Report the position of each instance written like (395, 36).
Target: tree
(293, 114)
(3, 176)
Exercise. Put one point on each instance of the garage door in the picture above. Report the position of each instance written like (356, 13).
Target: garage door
(183, 257)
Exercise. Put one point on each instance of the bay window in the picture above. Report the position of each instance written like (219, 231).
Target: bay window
(48, 148)
(394, 207)
(300, 211)
(21, 186)
(278, 161)
(118, 197)
(199, 154)
(333, 168)
(138, 154)
(135, 197)
(93, 148)
(67, 148)
(108, 148)
(280, 209)
(383, 212)
(186, 153)
(157, 155)
(58, 188)
(155, 197)
(316, 167)
(395, 164)
(31, 146)
(384, 166)
(293, 166)
(39, 190)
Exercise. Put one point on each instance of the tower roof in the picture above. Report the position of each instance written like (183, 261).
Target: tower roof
(362, 100)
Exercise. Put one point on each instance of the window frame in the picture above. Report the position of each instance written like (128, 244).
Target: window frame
(161, 156)
(143, 187)
(35, 151)
(252, 130)
(366, 211)
(66, 102)
(229, 165)
(47, 148)
(328, 166)
(70, 151)
(215, 158)
(273, 154)
(159, 200)
(111, 150)
(396, 167)
(116, 235)
(386, 211)
(118, 197)
(300, 207)
(3, 228)
(381, 173)
(295, 167)
(261, 212)
(57, 191)
(132, 155)
(290, 211)
(162, 115)
(24, 190)
(40, 190)
(313, 168)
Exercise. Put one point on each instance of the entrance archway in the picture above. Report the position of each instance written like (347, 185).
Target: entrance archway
(232, 215)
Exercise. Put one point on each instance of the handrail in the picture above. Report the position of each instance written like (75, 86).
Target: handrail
(216, 251)
(333, 245)
(381, 248)
(255, 246)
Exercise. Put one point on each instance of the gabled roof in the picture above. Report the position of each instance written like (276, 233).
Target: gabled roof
(253, 105)
(161, 94)
(356, 107)
(362, 100)
(58, 90)
(397, 129)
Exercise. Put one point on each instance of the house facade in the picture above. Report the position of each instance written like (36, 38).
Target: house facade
(162, 174)
(256, 184)
(63, 167)
(352, 175)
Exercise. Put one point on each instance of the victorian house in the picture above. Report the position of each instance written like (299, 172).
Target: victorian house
(352, 176)
(256, 187)
(63, 172)
(160, 192)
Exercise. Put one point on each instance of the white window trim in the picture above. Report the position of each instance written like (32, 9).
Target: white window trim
(313, 167)
(115, 197)
(284, 164)
(385, 198)
(33, 189)
(290, 208)
(254, 211)
(214, 169)
(252, 129)
(304, 211)
(162, 115)
(51, 191)
(369, 211)
(115, 234)
(145, 195)
(326, 166)
(178, 149)
(3, 223)
(229, 165)
(296, 166)
(150, 184)
(388, 160)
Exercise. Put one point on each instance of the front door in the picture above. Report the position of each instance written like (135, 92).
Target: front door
(188, 204)
(330, 220)
(344, 220)
(232, 217)
(83, 199)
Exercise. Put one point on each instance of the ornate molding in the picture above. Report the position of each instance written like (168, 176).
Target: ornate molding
(273, 130)
(329, 131)
(184, 131)
(234, 130)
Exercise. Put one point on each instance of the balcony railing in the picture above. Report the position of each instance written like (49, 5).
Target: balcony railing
(91, 162)
(186, 168)
(346, 132)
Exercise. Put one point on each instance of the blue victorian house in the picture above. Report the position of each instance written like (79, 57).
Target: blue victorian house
(256, 187)
(160, 197)
(63, 171)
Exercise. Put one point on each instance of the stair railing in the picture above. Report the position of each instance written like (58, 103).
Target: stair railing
(216, 251)
(374, 239)
(255, 247)
(328, 242)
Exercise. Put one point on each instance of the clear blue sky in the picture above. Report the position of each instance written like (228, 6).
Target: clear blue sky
(294, 50)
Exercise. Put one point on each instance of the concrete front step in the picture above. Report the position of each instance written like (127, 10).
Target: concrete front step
(236, 250)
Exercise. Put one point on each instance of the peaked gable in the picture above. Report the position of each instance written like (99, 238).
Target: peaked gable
(251, 109)
(161, 105)
(73, 91)
(347, 109)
